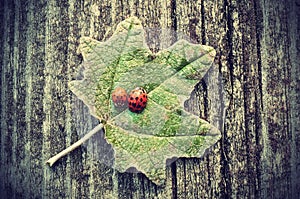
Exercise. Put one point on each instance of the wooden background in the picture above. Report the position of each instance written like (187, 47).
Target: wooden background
(257, 44)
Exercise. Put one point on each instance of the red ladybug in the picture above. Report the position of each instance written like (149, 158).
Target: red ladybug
(119, 98)
(137, 100)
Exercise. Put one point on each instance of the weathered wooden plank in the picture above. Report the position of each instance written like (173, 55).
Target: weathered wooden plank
(277, 87)
(56, 127)
(6, 93)
(34, 96)
(257, 44)
(2, 36)
(243, 65)
(193, 177)
(21, 150)
(293, 27)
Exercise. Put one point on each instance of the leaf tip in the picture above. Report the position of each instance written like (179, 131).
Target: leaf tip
(86, 46)
(129, 23)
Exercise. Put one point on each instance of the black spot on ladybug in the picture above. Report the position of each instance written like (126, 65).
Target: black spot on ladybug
(133, 104)
(129, 103)
(136, 98)
(131, 98)
(138, 106)
(141, 99)
(144, 103)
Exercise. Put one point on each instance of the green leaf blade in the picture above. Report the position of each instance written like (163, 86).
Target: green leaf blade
(164, 130)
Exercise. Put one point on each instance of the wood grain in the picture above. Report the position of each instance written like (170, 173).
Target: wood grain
(257, 44)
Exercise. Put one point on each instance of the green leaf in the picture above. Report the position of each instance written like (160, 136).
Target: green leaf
(164, 130)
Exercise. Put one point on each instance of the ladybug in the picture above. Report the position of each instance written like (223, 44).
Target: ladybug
(119, 98)
(137, 100)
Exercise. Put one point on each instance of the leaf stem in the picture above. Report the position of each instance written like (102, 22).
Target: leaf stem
(87, 136)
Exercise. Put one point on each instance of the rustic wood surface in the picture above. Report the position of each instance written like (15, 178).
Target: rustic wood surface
(257, 44)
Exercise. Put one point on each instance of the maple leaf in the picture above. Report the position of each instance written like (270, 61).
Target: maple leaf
(164, 130)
